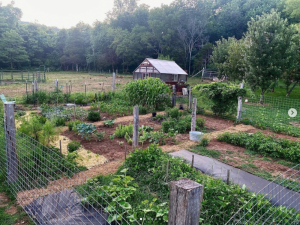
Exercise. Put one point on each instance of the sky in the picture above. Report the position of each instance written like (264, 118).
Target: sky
(67, 13)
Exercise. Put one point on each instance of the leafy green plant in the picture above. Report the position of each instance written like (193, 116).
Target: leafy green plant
(99, 135)
(112, 137)
(151, 93)
(200, 122)
(73, 146)
(86, 130)
(128, 139)
(94, 116)
(223, 96)
(121, 130)
(60, 122)
(109, 123)
(21, 113)
(142, 110)
(159, 117)
(72, 125)
(204, 142)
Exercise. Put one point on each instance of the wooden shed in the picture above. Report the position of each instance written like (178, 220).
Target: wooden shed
(166, 70)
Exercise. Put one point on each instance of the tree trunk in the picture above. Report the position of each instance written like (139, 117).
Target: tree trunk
(261, 101)
(289, 92)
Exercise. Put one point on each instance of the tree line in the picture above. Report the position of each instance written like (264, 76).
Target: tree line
(185, 31)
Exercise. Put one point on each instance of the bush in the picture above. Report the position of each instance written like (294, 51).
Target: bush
(200, 122)
(152, 93)
(60, 122)
(223, 96)
(72, 125)
(142, 110)
(180, 125)
(204, 142)
(43, 119)
(94, 116)
(173, 113)
(21, 113)
(73, 146)
(159, 117)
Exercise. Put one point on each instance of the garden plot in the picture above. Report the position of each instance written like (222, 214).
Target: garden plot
(85, 157)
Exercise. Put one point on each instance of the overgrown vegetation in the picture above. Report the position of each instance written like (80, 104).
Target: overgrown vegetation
(266, 145)
(73, 146)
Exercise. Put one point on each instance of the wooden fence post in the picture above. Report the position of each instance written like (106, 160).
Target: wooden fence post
(32, 88)
(174, 96)
(194, 115)
(190, 97)
(56, 84)
(135, 138)
(240, 104)
(113, 81)
(11, 151)
(35, 86)
(22, 75)
(85, 88)
(185, 202)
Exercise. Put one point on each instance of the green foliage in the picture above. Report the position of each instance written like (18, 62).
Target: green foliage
(200, 122)
(60, 122)
(109, 123)
(99, 135)
(181, 125)
(204, 142)
(21, 113)
(223, 96)
(200, 149)
(265, 144)
(159, 117)
(73, 146)
(45, 97)
(73, 124)
(151, 92)
(86, 130)
(121, 130)
(142, 110)
(173, 113)
(94, 116)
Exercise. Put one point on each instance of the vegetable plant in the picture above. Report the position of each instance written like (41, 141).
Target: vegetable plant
(73, 146)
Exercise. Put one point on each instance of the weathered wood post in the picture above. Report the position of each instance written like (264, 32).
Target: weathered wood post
(32, 76)
(185, 202)
(85, 88)
(240, 104)
(70, 88)
(194, 115)
(228, 177)
(22, 75)
(32, 88)
(113, 81)
(11, 151)
(35, 86)
(56, 85)
(26, 91)
(60, 147)
(190, 97)
(174, 96)
(27, 75)
(135, 138)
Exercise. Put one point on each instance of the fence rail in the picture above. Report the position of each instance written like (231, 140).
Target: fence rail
(21, 76)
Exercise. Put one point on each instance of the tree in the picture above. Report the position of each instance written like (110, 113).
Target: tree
(121, 7)
(11, 48)
(267, 50)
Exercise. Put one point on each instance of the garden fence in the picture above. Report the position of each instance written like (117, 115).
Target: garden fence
(283, 192)
(13, 76)
(49, 188)
(272, 112)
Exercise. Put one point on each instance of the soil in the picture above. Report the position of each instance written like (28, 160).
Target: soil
(215, 123)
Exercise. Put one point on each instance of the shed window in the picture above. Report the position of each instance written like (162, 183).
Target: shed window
(175, 77)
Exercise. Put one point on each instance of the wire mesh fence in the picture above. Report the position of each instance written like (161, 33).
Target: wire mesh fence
(12, 76)
(271, 112)
(50, 188)
(283, 192)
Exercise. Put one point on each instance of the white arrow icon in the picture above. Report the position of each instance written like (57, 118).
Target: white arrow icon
(292, 112)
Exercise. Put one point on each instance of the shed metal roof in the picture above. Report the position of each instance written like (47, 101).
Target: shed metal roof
(165, 66)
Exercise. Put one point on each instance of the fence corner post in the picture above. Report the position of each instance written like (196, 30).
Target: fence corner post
(194, 115)
(11, 151)
(135, 137)
(185, 202)
(174, 96)
(240, 105)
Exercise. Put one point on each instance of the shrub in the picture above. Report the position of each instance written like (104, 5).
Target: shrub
(100, 135)
(142, 110)
(73, 146)
(200, 122)
(72, 125)
(60, 122)
(223, 96)
(204, 142)
(173, 113)
(21, 113)
(181, 125)
(151, 92)
(159, 117)
(43, 119)
(94, 116)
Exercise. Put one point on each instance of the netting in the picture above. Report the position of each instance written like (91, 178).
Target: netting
(50, 188)
(12, 76)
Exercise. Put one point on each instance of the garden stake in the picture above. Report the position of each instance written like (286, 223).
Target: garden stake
(228, 176)
(192, 161)
(60, 146)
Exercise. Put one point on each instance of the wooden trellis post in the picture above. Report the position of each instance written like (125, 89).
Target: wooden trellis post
(185, 202)
(135, 138)
(114, 81)
(240, 104)
(194, 115)
(174, 96)
(11, 151)
(190, 97)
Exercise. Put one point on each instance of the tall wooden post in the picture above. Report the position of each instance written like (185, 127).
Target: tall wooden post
(26, 91)
(11, 151)
(56, 85)
(135, 138)
(32, 88)
(240, 104)
(27, 75)
(22, 75)
(190, 97)
(194, 115)
(35, 86)
(174, 96)
(66, 87)
(185, 202)
(113, 81)
(85, 88)
(70, 88)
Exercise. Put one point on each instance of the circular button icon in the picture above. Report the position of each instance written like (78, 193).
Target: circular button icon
(292, 112)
